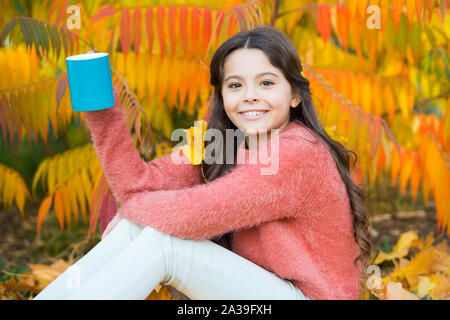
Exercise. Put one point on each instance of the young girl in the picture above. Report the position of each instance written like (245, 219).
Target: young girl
(300, 232)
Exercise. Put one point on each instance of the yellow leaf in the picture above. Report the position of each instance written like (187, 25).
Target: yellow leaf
(51, 174)
(427, 261)
(161, 294)
(424, 286)
(46, 274)
(194, 149)
(442, 290)
(78, 185)
(404, 243)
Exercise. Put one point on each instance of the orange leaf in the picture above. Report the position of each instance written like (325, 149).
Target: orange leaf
(125, 33)
(220, 17)
(207, 25)
(389, 102)
(160, 20)
(376, 136)
(395, 166)
(430, 10)
(149, 28)
(410, 10)
(59, 209)
(52, 9)
(343, 16)
(415, 178)
(43, 210)
(195, 29)
(65, 196)
(397, 7)
(62, 11)
(362, 6)
(103, 12)
(184, 28)
(405, 171)
(419, 8)
(352, 5)
(173, 34)
(324, 21)
(137, 30)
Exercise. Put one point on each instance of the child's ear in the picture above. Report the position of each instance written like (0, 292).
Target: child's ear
(296, 99)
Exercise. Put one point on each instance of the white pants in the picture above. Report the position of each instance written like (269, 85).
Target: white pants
(132, 260)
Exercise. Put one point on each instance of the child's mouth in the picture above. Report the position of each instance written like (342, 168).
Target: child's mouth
(253, 115)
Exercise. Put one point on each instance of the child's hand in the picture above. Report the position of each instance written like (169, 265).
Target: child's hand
(111, 225)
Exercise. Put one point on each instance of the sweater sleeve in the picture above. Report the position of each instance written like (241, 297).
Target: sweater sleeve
(125, 171)
(242, 198)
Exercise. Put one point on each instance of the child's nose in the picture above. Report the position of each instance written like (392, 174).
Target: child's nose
(251, 99)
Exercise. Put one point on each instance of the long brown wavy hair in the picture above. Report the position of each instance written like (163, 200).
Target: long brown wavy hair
(283, 55)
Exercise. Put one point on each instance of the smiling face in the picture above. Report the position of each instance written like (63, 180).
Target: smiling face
(251, 82)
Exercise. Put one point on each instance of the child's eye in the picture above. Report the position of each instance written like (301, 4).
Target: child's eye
(231, 85)
(266, 81)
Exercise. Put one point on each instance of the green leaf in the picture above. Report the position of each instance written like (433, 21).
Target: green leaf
(34, 33)
(54, 37)
(64, 40)
(25, 32)
(386, 244)
(7, 29)
(430, 36)
(44, 37)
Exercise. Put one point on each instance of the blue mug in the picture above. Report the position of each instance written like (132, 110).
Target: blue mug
(90, 81)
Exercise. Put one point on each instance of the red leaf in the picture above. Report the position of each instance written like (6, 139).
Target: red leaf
(70, 36)
(376, 136)
(232, 22)
(60, 90)
(195, 29)
(184, 28)
(430, 10)
(103, 12)
(125, 31)
(137, 30)
(220, 17)
(173, 28)
(207, 25)
(75, 36)
(160, 18)
(149, 28)
(419, 9)
(343, 17)
(324, 21)
(62, 11)
(52, 8)
(240, 17)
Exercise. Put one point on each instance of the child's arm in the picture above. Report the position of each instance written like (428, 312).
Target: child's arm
(240, 199)
(122, 165)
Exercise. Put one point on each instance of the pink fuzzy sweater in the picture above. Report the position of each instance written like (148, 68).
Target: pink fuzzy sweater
(296, 223)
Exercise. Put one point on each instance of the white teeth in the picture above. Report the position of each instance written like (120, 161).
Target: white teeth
(253, 113)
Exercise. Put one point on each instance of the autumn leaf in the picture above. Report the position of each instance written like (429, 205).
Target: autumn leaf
(195, 148)
(406, 241)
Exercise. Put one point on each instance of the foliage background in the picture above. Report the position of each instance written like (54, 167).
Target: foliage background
(381, 90)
